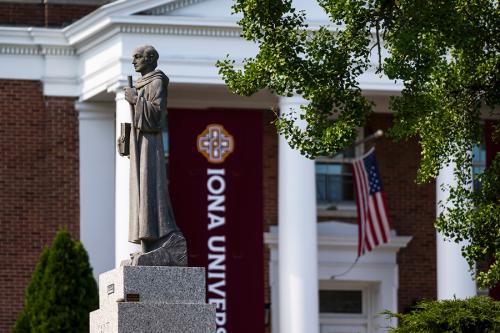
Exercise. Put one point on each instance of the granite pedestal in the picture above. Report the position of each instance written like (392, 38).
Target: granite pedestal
(153, 299)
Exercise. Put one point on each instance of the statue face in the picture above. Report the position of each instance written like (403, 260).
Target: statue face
(141, 62)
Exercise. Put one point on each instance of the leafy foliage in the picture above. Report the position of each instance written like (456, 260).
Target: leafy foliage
(62, 291)
(319, 65)
(446, 55)
(23, 324)
(474, 315)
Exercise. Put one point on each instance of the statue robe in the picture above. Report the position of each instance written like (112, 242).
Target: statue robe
(151, 215)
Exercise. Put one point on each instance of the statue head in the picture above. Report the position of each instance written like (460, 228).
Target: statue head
(145, 59)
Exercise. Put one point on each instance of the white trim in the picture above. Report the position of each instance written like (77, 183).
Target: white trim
(36, 49)
(164, 9)
(363, 319)
(57, 51)
(117, 85)
(337, 250)
(94, 110)
(67, 2)
(349, 242)
(110, 86)
(179, 26)
(99, 17)
(104, 35)
(19, 49)
(60, 86)
(118, 20)
(32, 35)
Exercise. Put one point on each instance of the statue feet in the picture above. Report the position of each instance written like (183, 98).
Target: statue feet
(172, 252)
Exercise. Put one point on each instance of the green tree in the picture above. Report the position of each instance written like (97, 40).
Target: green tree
(62, 291)
(474, 315)
(446, 55)
(23, 324)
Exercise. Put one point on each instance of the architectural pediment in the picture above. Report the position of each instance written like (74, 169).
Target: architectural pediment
(92, 55)
(83, 58)
(193, 8)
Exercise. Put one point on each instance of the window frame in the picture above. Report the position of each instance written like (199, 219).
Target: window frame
(346, 209)
(367, 304)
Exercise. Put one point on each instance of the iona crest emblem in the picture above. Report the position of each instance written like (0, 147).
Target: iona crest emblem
(215, 143)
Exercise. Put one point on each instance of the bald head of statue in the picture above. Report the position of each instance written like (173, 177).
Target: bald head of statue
(145, 59)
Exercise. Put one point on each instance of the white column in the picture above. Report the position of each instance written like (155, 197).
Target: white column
(298, 257)
(97, 183)
(453, 276)
(123, 247)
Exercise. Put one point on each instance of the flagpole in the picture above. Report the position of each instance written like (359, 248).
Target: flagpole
(378, 134)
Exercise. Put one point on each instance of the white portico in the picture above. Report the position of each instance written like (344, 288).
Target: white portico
(372, 283)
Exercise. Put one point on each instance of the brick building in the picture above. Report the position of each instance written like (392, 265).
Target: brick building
(289, 222)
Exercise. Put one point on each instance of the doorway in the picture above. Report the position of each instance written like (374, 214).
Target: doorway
(345, 307)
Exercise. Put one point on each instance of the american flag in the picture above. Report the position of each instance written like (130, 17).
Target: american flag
(373, 221)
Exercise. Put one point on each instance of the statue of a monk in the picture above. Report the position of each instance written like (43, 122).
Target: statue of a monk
(152, 222)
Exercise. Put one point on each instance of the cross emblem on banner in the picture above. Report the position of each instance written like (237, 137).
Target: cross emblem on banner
(215, 143)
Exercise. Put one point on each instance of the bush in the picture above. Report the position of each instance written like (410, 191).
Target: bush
(62, 290)
(474, 315)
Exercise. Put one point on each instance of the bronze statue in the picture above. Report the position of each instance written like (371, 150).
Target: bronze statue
(152, 222)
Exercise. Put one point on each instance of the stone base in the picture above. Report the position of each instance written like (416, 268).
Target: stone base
(152, 284)
(131, 317)
(153, 299)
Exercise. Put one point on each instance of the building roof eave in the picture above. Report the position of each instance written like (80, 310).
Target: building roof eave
(98, 18)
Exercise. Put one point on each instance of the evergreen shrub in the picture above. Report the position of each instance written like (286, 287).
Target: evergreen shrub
(62, 290)
(479, 314)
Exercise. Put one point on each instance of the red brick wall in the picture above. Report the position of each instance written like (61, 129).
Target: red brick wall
(26, 14)
(412, 210)
(39, 182)
(270, 188)
(270, 172)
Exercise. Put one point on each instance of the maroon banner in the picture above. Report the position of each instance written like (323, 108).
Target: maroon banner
(215, 173)
(492, 148)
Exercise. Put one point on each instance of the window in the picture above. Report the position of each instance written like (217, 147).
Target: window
(340, 301)
(478, 163)
(334, 181)
(346, 306)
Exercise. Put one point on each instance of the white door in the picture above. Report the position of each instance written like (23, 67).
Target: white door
(344, 307)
